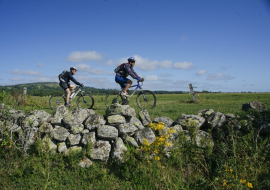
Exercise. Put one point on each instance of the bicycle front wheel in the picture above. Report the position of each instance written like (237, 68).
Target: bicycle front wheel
(146, 99)
(57, 100)
(85, 101)
(113, 97)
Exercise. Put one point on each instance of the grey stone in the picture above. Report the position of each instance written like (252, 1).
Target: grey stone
(116, 120)
(136, 122)
(59, 114)
(131, 141)
(85, 162)
(254, 105)
(107, 132)
(74, 139)
(126, 128)
(146, 134)
(186, 120)
(118, 149)
(60, 134)
(89, 138)
(94, 121)
(101, 151)
(124, 110)
(144, 117)
(166, 120)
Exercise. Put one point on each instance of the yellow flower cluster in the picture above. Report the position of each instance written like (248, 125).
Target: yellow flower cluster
(158, 126)
(243, 181)
(161, 141)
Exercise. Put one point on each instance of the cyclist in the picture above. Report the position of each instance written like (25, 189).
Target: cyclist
(123, 72)
(65, 77)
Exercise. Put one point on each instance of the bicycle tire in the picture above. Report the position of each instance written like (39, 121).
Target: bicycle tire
(57, 100)
(113, 97)
(85, 101)
(146, 99)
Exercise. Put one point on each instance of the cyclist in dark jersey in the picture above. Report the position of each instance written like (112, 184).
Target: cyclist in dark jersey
(64, 82)
(124, 72)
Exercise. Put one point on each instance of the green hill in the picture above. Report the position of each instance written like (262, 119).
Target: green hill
(49, 88)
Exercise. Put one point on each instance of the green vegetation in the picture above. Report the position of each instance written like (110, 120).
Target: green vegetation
(236, 161)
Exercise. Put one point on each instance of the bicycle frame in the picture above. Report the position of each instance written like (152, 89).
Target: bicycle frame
(138, 86)
(79, 90)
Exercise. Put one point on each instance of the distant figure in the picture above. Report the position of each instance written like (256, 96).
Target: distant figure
(123, 71)
(65, 77)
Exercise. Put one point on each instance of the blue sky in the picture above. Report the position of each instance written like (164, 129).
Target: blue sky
(216, 45)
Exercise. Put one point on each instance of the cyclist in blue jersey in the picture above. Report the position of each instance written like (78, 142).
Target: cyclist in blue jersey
(64, 81)
(124, 72)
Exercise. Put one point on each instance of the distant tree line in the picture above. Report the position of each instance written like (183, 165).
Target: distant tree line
(49, 88)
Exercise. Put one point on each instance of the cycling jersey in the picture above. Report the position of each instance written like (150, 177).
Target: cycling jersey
(67, 77)
(127, 70)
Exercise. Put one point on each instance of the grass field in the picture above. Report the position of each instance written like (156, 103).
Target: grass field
(237, 161)
(172, 105)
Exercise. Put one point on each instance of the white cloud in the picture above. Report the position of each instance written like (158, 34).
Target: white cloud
(223, 68)
(219, 76)
(147, 65)
(44, 79)
(15, 79)
(26, 72)
(116, 62)
(86, 68)
(183, 65)
(151, 78)
(165, 75)
(78, 56)
(201, 72)
(143, 63)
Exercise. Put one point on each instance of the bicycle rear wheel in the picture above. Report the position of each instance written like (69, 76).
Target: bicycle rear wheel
(85, 101)
(113, 97)
(146, 99)
(57, 100)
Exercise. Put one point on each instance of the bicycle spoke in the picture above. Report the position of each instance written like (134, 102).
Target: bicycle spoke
(56, 100)
(146, 100)
(112, 98)
(85, 102)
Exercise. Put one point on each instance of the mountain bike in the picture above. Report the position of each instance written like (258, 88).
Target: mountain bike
(84, 101)
(145, 99)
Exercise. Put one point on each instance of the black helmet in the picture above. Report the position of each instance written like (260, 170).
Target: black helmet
(73, 68)
(131, 59)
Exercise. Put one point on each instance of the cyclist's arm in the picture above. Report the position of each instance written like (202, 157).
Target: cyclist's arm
(73, 79)
(131, 71)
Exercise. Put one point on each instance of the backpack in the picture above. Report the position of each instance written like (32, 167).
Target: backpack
(62, 74)
(119, 68)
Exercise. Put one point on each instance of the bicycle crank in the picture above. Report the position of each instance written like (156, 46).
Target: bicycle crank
(125, 102)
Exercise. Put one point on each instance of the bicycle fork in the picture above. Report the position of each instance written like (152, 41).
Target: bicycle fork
(144, 97)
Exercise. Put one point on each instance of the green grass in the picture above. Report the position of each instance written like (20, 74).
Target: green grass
(172, 105)
(235, 162)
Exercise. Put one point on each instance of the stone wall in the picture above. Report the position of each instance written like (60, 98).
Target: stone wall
(67, 131)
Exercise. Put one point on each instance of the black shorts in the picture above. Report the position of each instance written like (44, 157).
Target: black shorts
(64, 85)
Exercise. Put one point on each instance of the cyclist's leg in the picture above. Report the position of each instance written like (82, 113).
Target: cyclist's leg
(65, 86)
(123, 82)
(72, 87)
(129, 83)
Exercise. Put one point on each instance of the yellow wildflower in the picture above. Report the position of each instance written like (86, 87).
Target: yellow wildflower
(157, 158)
(249, 185)
(224, 183)
(156, 151)
(243, 181)
(145, 142)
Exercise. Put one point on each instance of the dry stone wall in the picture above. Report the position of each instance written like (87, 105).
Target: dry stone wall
(67, 131)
